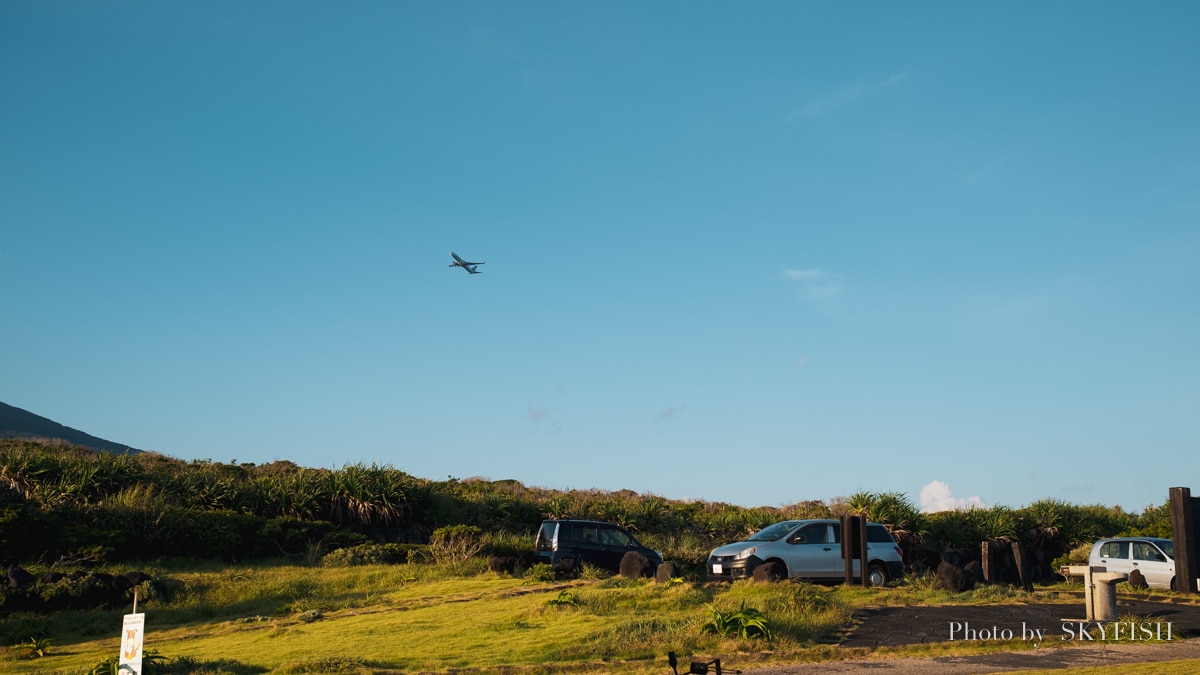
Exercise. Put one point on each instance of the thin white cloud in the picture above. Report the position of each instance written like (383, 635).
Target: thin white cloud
(829, 102)
(802, 362)
(936, 496)
(802, 275)
(815, 285)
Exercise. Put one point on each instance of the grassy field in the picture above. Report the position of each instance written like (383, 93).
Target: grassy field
(377, 619)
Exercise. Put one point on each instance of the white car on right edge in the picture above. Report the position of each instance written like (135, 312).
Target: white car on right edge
(1152, 556)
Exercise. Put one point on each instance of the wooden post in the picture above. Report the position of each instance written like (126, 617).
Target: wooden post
(847, 549)
(1184, 509)
(985, 554)
(861, 532)
(1022, 566)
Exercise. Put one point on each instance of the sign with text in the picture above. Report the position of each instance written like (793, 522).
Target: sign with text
(132, 633)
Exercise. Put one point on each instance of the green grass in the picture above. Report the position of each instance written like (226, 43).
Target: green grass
(385, 619)
(377, 619)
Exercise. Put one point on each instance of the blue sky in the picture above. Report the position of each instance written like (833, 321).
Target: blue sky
(746, 253)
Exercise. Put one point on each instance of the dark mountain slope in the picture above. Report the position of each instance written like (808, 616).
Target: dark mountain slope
(18, 423)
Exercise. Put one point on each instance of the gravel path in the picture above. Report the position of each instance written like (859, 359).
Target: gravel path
(1035, 623)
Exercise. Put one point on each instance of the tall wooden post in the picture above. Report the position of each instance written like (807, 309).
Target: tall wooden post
(847, 548)
(1185, 512)
(854, 546)
(862, 550)
(1023, 570)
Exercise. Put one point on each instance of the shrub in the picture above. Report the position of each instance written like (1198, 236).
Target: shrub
(593, 573)
(370, 554)
(507, 544)
(745, 622)
(539, 572)
(37, 646)
(565, 598)
(455, 543)
(80, 591)
(1076, 556)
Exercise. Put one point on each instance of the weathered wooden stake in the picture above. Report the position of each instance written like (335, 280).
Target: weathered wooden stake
(1022, 566)
(1184, 516)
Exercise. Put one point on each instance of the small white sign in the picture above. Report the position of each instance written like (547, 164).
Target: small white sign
(716, 569)
(132, 633)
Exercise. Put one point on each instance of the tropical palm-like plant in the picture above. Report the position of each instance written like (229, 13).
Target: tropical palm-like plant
(367, 497)
(745, 622)
(649, 513)
(38, 646)
(558, 506)
(995, 523)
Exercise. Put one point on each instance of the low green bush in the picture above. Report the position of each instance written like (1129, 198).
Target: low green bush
(1076, 556)
(744, 622)
(371, 554)
(540, 572)
(455, 543)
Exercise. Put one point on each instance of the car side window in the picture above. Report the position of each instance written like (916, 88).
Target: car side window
(1145, 551)
(878, 534)
(1115, 549)
(813, 534)
(613, 537)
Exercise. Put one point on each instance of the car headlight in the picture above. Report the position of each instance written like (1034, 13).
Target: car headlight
(746, 553)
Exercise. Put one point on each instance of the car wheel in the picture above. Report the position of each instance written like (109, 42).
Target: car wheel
(877, 575)
(1172, 583)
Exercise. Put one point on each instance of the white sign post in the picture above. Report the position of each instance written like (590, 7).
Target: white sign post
(133, 631)
(132, 634)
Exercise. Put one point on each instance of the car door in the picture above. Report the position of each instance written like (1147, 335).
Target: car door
(813, 553)
(614, 544)
(587, 543)
(1156, 567)
(578, 541)
(1114, 555)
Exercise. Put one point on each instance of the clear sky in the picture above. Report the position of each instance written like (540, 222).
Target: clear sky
(745, 252)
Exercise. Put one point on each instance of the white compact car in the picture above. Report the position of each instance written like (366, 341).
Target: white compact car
(809, 550)
(1153, 557)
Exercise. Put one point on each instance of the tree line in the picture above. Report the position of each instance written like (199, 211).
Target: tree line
(60, 501)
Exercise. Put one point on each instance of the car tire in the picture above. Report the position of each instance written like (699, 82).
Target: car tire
(877, 575)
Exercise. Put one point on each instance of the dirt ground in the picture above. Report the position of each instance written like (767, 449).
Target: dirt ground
(1057, 623)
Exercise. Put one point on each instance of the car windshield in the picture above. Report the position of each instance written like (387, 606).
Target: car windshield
(775, 532)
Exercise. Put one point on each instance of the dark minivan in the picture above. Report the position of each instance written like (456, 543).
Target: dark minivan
(572, 542)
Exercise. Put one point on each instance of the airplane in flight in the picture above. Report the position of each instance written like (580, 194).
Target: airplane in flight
(468, 266)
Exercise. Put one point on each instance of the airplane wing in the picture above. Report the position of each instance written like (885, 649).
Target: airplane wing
(461, 261)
